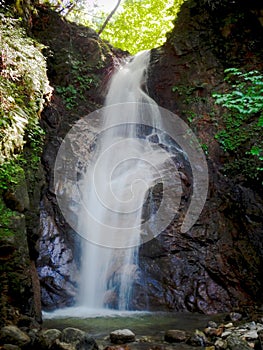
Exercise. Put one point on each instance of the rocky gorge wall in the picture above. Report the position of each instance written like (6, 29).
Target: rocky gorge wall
(217, 265)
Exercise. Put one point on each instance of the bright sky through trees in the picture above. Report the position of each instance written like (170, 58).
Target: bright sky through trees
(105, 5)
(136, 25)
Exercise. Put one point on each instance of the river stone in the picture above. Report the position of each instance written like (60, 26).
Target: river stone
(58, 345)
(87, 343)
(226, 334)
(121, 336)
(13, 335)
(211, 324)
(213, 332)
(251, 335)
(48, 337)
(10, 347)
(71, 335)
(235, 343)
(235, 316)
(221, 344)
(175, 336)
(117, 347)
(197, 339)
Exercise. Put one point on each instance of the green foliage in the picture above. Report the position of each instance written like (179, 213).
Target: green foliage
(141, 25)
(23, 83)
(10, 172)
(69, 94)
(193, 103)
(80, 83)
(244, 120)
(6, 215)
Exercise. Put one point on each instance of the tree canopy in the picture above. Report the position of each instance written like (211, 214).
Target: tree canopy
(137, 25)
(141, 25)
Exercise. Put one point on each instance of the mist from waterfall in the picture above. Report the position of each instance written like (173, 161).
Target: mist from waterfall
(114, 189)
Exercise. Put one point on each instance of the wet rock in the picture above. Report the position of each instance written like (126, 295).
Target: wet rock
(235, 316)
(10, 347)
(235, 343)
(87, 343)
(251, 335)
(145, 339)
(13, 335)
(56, 269)
(226, 334)
(28, 322)
(229, 325)
(247, 334)
(122, 336)
(71, 335)
(197, 339)
(175, 336)
(48, 337)
(221, 344)
(117, 347)
(213, 332)
(211, 324)
(58, 345)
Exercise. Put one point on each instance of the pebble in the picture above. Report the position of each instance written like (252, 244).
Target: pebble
(251, 335)
(229, 325)
(212, 324)
(117, 347)
(221, 344)
(235, 316)
(226, 334)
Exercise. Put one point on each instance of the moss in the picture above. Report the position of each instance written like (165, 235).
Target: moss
(6, 216)
(23, 85)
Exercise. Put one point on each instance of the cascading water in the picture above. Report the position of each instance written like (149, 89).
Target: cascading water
(106, 176)
(114, 190)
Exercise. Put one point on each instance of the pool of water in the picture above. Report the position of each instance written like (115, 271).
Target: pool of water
(149, 327)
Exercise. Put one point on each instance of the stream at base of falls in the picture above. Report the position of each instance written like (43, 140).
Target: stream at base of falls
(149, 327)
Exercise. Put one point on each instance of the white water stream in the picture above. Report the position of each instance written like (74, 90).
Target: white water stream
(114, 190)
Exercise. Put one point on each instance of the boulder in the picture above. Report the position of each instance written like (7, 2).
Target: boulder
(197, 339)
(10, 347)
(122, 336)
(48, 337)
(13, 335)
(175, 336)
(117, 347)
(235, 343)
(71, 335)
(87, 343)
(59, 345)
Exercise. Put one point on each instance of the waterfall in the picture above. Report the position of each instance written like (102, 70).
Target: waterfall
(114, 189)
(118, 182)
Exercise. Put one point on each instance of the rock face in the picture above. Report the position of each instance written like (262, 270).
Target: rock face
(19, 286)
(215, 266)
